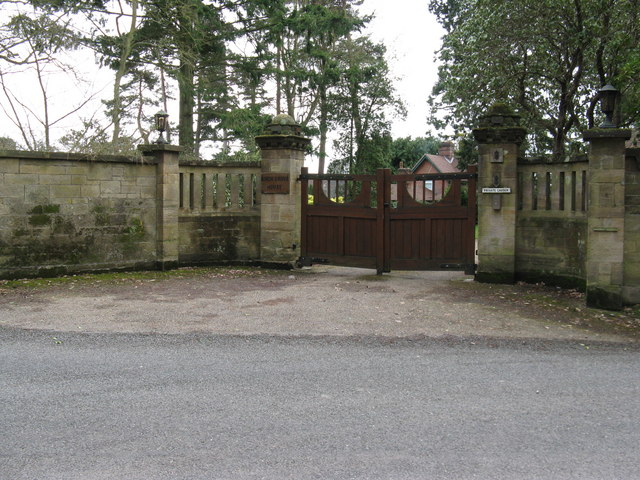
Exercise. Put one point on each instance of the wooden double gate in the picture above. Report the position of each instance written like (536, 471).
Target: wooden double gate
(389, 222)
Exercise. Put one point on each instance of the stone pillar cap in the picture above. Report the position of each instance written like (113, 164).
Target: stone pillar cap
(283, 124)
(499, 125)
(283, 132)
(499, 115)
(599, 133)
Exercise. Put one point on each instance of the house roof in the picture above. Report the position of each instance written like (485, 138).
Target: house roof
(441, 163)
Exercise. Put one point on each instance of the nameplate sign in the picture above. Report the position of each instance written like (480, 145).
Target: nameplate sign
(496, 190)
(275, 183)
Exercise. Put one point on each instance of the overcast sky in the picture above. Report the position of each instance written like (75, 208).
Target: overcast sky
(412, 36)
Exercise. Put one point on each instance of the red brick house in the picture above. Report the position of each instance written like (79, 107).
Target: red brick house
(443, 162)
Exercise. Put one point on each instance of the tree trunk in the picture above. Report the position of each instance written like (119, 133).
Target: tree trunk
(116, 112)
(186, 75)
(323, 128)
(186, 106)
(279, 79)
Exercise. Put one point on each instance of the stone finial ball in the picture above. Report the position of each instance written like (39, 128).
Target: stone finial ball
(283, 119)
(283, 124)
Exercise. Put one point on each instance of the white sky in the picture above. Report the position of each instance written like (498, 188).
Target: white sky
(412, 36)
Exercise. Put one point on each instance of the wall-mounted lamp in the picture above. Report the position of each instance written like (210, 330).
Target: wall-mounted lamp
(162, 123)
(608, 98)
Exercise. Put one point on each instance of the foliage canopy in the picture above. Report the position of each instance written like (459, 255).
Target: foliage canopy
(549, 58)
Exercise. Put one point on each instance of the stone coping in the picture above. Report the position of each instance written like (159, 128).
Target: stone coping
(213, 163)
(594, 133)
(550, 161)
(76, 157)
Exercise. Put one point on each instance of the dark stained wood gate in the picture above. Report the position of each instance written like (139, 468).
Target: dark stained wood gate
(389, 222)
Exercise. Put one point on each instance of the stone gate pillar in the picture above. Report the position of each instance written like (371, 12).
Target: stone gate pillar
(499, 135)
(167, 202)
(606, 217)
(282, 148)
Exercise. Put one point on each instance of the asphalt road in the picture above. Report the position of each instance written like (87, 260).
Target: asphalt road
(135, 406)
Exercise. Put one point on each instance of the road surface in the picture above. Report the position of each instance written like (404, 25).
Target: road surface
(202, 406)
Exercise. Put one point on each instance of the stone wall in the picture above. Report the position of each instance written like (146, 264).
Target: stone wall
(282, 150)
(498, 136)
(551, 223)
(219, 215)
(576, 223)
(631, 289)
(64, 213)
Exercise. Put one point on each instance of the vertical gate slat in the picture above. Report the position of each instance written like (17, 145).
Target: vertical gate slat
(407, 239)
(341, 234)
(304, 202)
(472, 185)
(422, 247)
(381, 231)
(428, 235)
(455, 191)
(440, 233)
(459, 249)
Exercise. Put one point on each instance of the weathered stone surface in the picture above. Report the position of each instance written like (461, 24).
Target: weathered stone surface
(218, 239)
(280, 213)
(62, 219)
(497, 227)
(606, 225)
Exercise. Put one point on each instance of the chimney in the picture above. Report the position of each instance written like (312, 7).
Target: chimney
(402, 169)
(446, 149)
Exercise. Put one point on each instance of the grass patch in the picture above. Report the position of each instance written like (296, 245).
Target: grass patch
(372, 278)
(112, 278)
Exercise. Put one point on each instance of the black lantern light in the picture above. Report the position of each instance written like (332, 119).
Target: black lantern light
(608, 97)
(162, 123)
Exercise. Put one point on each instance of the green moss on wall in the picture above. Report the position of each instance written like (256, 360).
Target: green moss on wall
(131, 236)
(45, 209)
(40, 215)
(39, 220)
(101, 215)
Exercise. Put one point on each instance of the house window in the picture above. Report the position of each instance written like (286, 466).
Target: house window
(428, 184)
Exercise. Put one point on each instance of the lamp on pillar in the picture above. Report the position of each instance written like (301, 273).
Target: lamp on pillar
(162, 122)
(608, 98)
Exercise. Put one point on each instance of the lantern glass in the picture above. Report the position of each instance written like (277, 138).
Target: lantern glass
(608, 97)
(161, 121)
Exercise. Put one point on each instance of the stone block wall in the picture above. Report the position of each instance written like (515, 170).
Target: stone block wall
(551, 223)
(215, 239)
(606, 218)
(282, 151)
(498, 136)
(576, 222)
(631, 289)
(64, 213)
(219, 213)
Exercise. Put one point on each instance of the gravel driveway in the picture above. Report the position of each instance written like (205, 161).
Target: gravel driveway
(321, 301)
